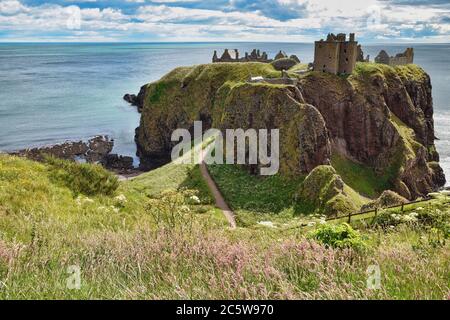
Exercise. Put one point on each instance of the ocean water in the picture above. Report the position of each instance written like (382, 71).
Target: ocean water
(50, 93)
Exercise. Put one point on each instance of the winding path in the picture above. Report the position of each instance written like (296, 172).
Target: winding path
(218, 198)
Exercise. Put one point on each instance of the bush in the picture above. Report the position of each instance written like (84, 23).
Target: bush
(81, 178)
(429, 218)
(338, 236)
(171, 212)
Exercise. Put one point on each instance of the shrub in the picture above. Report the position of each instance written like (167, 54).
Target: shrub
(387, 219)
(171, 212)
(81, 178)
(338, 236)
(430, 218)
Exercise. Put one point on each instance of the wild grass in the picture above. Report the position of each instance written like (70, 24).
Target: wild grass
(255, 198)
(359, 177)
(124, 251)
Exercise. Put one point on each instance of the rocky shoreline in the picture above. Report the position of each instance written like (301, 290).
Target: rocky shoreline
(95, 150)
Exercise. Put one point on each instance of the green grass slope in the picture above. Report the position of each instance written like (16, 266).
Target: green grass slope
(129, 244)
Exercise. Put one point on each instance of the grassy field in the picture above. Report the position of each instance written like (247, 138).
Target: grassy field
(254, 198)
(151, 239)
(359, 177)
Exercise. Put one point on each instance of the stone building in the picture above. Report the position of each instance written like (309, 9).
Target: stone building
(233, 56)
(406, 57)
(336, 55)
(360, 57)
(281, 55)
(383, 57)
(254, 56)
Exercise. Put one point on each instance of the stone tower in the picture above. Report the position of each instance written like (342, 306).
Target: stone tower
(336, 55)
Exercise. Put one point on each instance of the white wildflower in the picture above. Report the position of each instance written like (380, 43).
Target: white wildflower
(114, 209)
(121, 199)
(268, 224)
(185, 209)
(80, 200)
(195, 199)
(408, 218)
(103, 209)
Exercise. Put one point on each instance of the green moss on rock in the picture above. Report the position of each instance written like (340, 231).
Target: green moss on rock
(324, 192)
(387, 199)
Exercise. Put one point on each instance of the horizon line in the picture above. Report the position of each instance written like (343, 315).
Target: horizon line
(201, 42)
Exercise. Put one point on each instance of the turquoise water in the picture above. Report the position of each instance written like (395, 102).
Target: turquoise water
(55, 92)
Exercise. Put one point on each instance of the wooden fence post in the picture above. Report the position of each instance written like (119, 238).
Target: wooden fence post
(403, 207)
(349, 217)
(376, 212)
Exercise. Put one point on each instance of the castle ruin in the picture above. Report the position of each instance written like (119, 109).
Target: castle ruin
(336, 55)
(233, 56)
(254, 56)
(406, 57)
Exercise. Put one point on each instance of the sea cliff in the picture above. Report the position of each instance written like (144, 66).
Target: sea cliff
(374, 127)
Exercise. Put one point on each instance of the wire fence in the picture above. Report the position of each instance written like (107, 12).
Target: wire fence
(402, 206)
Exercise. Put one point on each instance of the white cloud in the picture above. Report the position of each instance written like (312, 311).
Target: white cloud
(10, 7)
(171, 21)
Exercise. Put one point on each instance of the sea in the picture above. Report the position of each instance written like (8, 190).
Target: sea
(53, 92)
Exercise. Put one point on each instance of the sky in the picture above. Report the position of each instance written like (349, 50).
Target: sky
(223, 20)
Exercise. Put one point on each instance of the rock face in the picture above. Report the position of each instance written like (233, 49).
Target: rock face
(205, 93)
(324, 192)
(380, 117)
(136, 100)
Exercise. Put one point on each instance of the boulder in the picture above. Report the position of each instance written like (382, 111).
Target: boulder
(114, 161)
(130, 98)
(137, 100)
(98, 148)
(387, 199)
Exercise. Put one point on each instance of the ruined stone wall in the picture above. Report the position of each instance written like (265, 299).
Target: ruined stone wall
(233, 56)
(326, 56)
(347, 57)
(398, 61)
(404, 58)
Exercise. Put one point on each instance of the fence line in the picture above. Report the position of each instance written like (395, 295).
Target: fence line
(350, 215)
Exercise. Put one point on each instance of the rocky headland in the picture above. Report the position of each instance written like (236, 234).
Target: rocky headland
(378, 120)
